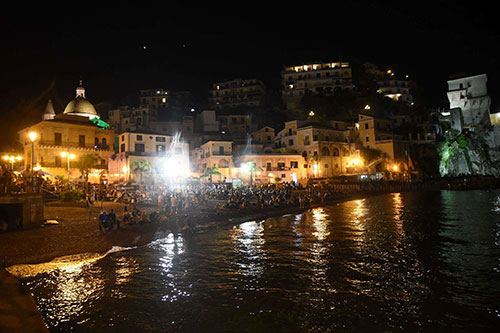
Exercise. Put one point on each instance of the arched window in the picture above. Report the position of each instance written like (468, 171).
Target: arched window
(336, 152)
(325, 151)
(223, 163)
(104, 142)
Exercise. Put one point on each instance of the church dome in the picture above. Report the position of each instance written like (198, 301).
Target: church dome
(80, 106)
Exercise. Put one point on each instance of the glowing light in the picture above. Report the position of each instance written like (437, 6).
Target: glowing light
(311, 113)
(367, 107)
(395, 167)
(32, 136)
(356, 161)
(246, 167)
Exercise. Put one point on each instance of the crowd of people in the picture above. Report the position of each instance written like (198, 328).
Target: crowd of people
(168, 204)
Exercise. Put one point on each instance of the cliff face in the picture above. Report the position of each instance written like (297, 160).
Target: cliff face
(470, 152)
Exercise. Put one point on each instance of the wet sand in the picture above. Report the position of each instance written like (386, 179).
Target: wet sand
(78, 233)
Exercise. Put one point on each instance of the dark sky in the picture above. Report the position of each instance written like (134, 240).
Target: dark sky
(190, 46)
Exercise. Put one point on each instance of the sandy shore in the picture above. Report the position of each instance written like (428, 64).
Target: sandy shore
(78, 231)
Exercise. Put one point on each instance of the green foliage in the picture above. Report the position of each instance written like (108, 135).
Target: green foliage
(210, 172)
(71, 195)
(142, 168)
(368, 154)
(467, 149)
(88, 162)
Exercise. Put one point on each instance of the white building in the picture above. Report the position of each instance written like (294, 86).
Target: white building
(167, 155)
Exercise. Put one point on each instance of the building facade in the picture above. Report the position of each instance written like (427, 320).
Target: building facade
(317, 78)
(73, 132)
(237, 92)
(168, 156)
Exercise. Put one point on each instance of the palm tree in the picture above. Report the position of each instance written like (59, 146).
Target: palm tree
(141, 167)
(210, 172)
(252, 170)
(86, 163)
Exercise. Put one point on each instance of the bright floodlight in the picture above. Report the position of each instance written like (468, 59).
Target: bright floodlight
(64, 154)
(246, 167)
(174, 167)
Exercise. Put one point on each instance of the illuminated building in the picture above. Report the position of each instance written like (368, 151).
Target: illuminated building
(130, 119)
(167, 155)
(237, 92)
(390, 84)
(327, 149)
(231, 158)
(163, 100)
(264, 135)
(77, 130)
(317, 78)
(213, 153)
(236, 126)
(397, 90)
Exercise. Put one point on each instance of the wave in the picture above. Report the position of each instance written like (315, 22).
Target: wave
(68, 263)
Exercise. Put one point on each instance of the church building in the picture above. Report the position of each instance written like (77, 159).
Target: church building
(56, 144)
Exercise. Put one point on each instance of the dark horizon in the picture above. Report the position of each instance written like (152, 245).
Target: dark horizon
(117, 52)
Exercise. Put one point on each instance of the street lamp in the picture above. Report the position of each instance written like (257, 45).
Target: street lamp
(12, 160)
(68, 156)
(32, 135)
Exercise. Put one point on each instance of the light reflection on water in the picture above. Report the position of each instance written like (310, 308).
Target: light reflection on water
(413, 261)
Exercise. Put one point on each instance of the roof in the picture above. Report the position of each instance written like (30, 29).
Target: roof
(80, 106)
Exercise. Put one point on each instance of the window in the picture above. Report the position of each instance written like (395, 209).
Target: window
(290, 142)
(326, 166)
(160, 149)
(57, 139)
(139, 147)
(123, 137)
(104, 143)
(281, 166)
(268, 166)
(122, 147)
(294, 165)
(289, 131)
(58, 161)
(139, 137)
(283, 175)
(81, 140)
(366, 126)
(160, 139)
(221, 150)
(367, 138)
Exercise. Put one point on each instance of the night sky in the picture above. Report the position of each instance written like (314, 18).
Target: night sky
(118, 50)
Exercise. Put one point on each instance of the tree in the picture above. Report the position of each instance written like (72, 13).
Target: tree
(141, 167)
(210, 172)
(86, 163)
(252, 169)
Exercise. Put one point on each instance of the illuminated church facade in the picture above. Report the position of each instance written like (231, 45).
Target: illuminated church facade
(62, 139)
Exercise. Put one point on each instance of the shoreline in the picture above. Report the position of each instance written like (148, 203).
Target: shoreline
(95, 242)
(80, 235)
